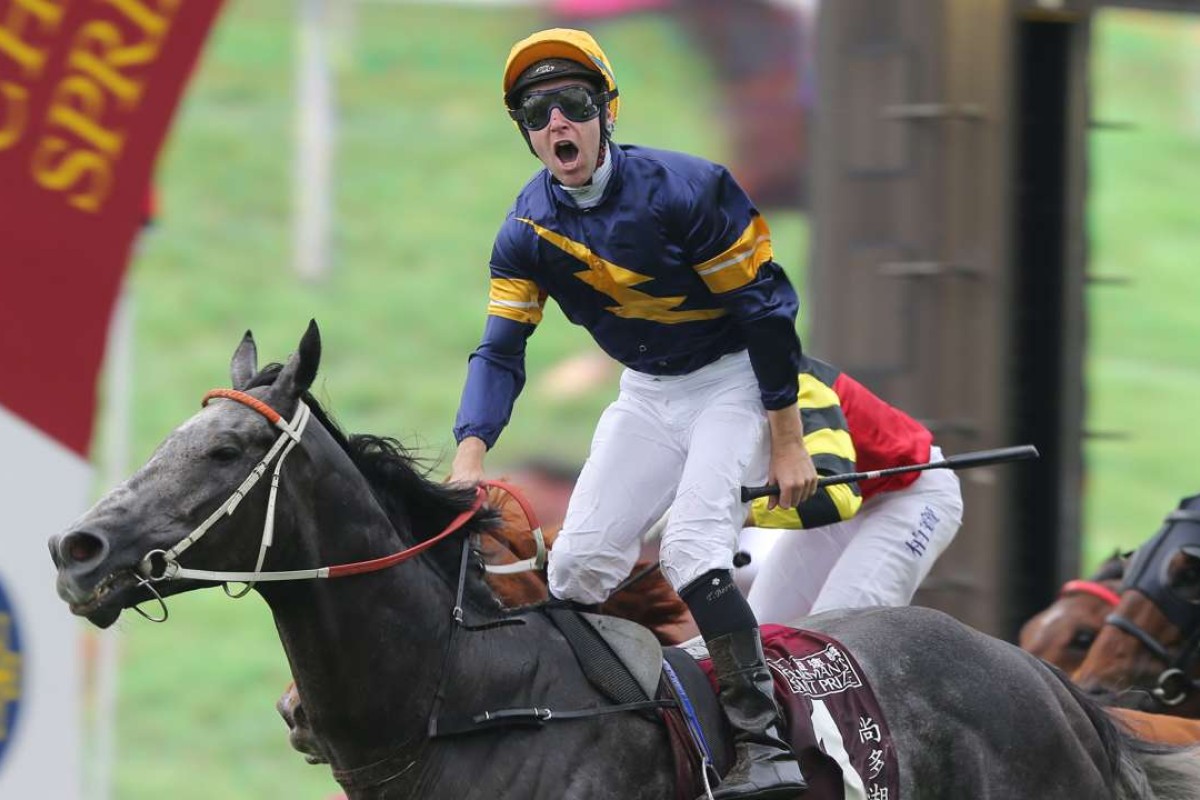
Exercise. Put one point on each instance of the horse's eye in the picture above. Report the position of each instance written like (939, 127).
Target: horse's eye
(1183, 576)
(225, 453)
(1082, 640)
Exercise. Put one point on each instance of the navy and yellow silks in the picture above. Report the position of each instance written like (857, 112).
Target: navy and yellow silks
(827, 437)
(670, 271)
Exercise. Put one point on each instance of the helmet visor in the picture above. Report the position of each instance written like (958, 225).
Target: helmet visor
(577, 103)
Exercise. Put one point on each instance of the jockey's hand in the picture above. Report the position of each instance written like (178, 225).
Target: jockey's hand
(467, 468)
(791, 466)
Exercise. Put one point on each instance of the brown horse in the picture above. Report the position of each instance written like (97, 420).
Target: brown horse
(651, 601)
(1148, 651)
(1162, 728)
(1063, 632)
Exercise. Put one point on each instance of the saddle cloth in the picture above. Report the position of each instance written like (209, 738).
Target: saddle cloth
(834, 722)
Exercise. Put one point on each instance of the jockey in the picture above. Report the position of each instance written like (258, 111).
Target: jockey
(663, 258)
(869, 544)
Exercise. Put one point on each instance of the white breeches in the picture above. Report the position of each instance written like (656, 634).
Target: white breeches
(685, 442)
(877, 558)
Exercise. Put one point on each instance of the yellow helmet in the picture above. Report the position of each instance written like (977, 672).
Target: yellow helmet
(559, 43)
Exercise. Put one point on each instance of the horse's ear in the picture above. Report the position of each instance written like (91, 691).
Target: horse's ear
(300, 370)
(244, 364)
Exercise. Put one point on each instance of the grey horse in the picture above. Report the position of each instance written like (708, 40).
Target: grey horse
(359, 557)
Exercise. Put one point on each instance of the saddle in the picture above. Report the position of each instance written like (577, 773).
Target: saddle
(831, 717)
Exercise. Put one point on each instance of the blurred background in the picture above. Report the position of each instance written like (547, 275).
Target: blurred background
(989, 208)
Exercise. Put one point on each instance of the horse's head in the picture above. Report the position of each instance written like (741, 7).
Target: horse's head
(1063, 633)
(108, 559)
(1151, 641)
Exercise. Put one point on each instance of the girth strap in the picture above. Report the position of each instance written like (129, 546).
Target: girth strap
(455, 724)
(600, 665)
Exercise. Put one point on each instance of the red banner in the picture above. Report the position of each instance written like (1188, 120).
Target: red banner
(87, 91)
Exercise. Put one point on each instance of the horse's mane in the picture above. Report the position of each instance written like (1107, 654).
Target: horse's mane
(399, 480)
(398, 477)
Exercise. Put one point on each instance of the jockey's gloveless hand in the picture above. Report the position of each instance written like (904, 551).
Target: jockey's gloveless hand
(467, 468)
(791, 466)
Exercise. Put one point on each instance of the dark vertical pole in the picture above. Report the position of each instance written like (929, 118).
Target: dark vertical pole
(1041, 269)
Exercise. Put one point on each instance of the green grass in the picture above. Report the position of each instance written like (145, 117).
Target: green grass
(1142, 368)
(427, 166)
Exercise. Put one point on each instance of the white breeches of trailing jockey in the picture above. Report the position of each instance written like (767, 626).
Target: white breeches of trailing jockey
(687, 443)
(877, 558)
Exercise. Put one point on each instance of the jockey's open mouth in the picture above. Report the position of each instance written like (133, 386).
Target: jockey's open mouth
(567, 153)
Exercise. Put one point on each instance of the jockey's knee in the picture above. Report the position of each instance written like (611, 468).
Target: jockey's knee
(684, 559)
(581, 573)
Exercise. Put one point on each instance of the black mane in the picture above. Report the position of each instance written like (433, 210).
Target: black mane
(398, 478)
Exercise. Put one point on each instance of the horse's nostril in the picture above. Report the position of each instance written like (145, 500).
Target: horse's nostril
(81, 547)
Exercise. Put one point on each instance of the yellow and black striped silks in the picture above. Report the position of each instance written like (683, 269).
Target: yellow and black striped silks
(827, 437)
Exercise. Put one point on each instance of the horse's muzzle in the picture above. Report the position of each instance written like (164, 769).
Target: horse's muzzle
(78, 556)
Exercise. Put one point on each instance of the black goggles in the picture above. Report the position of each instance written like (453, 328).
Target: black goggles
(577, 103)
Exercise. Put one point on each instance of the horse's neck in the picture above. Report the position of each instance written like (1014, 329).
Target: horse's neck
(359, 646)
(369, 685)
(350, 643)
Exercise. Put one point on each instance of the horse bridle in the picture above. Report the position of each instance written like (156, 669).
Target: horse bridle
(1146, 575)
(159, 565)
(1093, 588)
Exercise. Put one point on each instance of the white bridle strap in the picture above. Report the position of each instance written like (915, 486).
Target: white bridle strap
(169, 559)
(289, 437)
(286, 441)
(176, 571)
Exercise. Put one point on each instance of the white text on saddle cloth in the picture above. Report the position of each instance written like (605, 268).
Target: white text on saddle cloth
(818, 675)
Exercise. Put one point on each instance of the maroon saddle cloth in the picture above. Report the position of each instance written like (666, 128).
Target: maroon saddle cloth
(834, 722)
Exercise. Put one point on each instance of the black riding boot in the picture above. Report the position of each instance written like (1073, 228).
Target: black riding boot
(766, 768)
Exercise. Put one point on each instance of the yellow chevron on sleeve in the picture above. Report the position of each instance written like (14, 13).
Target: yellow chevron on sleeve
(738, 265)
(815, 394)
(833, 442)
(517, 299)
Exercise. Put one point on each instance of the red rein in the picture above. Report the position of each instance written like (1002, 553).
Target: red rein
(376, 564)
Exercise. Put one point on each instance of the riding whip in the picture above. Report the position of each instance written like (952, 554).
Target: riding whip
(979, 458)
